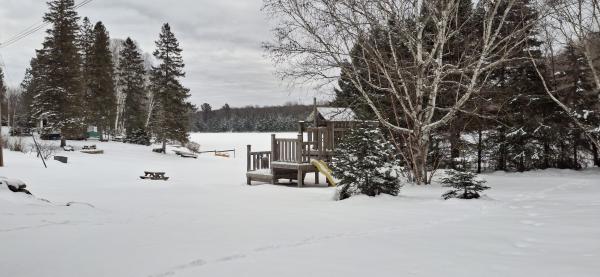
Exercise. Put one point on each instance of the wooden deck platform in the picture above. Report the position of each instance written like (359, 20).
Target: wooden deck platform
(259, 176)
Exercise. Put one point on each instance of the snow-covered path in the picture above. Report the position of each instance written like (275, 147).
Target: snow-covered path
(205, 221)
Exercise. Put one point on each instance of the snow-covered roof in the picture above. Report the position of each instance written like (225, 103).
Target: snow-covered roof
(334, 114)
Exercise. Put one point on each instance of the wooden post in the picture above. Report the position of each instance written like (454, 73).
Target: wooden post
(299, 148)
(248, 150)
(274, 148)
(273, 158)
(315, 116)
(300, 178)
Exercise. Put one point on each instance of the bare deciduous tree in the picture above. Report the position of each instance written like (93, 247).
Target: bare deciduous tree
(407, 61)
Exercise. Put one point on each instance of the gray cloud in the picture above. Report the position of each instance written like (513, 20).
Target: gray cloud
(220, 39)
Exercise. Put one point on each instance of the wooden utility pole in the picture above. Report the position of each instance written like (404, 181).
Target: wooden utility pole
(1, 144)
(1, 149)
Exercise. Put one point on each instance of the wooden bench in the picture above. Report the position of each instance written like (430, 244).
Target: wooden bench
(151, 175)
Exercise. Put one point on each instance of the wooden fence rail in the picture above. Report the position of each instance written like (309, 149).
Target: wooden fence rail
(257, 160)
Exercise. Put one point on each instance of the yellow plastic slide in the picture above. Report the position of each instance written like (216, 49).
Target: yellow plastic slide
(325, 170)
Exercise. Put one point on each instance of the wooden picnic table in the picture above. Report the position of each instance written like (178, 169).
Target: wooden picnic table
(152, 175)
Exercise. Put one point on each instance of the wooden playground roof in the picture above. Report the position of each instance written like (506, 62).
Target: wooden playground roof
(331, 114)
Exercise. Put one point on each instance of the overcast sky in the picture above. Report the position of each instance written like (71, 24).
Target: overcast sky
(220, 39)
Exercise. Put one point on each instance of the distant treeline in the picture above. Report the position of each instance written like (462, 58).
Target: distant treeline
(249, 119)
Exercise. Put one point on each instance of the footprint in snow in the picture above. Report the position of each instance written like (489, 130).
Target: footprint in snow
(171, 272)
(231, 258)
(193, 263)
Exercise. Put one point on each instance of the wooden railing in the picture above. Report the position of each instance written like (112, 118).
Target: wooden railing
(290, 150)
(257, 160)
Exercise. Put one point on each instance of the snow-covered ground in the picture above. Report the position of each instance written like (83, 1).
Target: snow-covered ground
(205, 221)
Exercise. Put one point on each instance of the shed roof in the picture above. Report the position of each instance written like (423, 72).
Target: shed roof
(334, 114)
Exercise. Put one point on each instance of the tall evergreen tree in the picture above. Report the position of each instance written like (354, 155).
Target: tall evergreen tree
(519, 90)
(86, 38)
(100, 94)
(85, 42)
(131, 80)
(170, 118)
(206, 111)
(26, 119)
(59, 99)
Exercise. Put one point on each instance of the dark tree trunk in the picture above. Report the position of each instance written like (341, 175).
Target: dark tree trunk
(454, 146)
(101, 133)
(546, 155)
(522, 162)
(501, 154)
(479, 149)
(595, 153)
(1, 150)
(562, 159)
(575, 159)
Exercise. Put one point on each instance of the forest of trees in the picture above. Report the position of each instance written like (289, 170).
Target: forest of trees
(81, 78)
(501, 85)
(250, 119)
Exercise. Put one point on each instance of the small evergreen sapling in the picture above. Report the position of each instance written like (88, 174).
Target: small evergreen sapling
(464, 183)
(365, 163)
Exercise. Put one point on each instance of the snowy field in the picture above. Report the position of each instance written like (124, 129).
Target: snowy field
(205, 221)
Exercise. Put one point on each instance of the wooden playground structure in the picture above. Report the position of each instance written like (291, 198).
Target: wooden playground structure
(313, 147)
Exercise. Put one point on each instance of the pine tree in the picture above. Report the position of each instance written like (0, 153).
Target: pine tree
(100, 95)
(464, 183)
(59, 94)
(206, 112)
(26, 119)
(131, 75)
(365, 163)
(86, 39)
(517, 88)
(170, 117)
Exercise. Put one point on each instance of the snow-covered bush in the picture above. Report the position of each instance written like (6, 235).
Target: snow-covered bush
(16, 145)
(365, 163)
(45, 149)
(465, 185)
